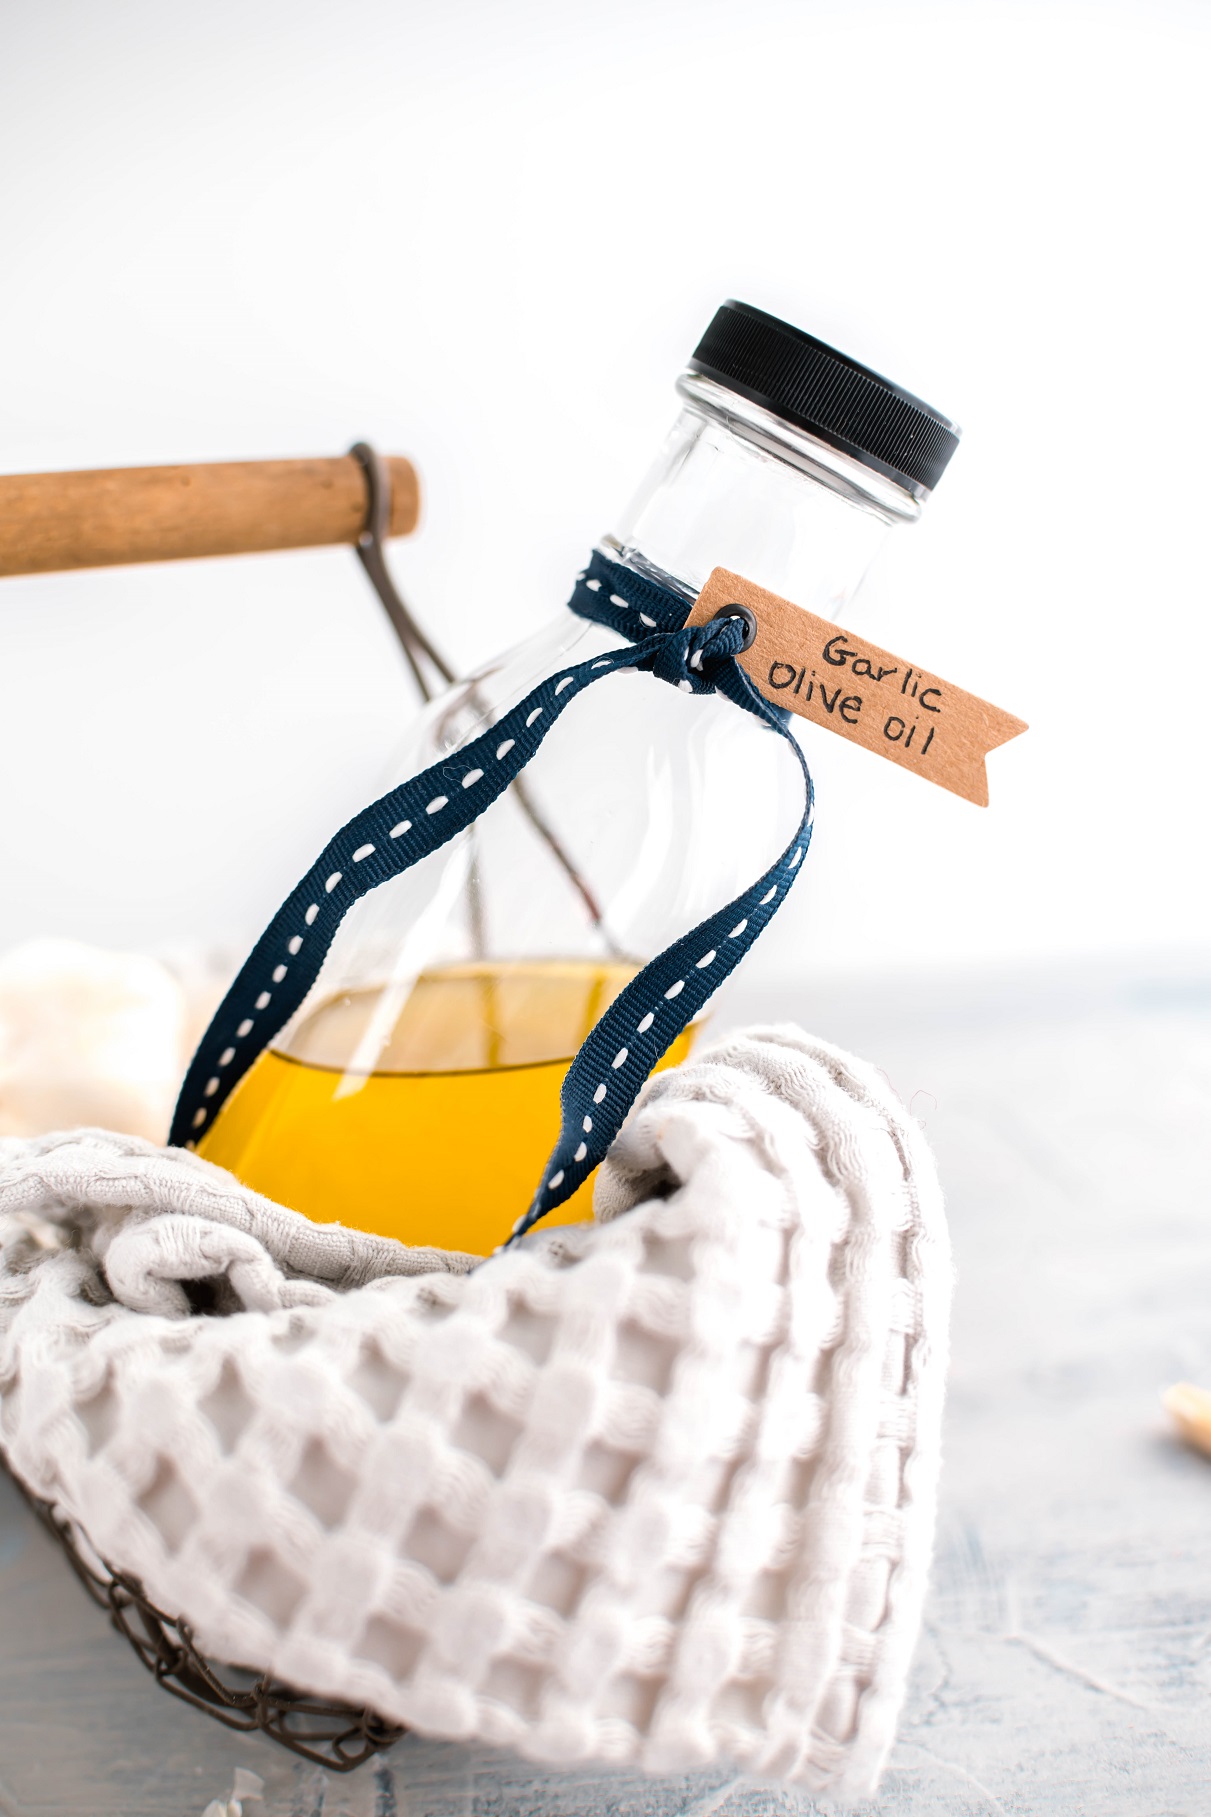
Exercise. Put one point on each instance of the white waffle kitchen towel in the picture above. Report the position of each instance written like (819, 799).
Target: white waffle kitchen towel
(656, 1490)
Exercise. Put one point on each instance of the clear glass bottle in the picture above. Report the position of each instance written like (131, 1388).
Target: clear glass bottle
(454, 996)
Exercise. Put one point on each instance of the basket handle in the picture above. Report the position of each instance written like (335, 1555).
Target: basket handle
(50, 522)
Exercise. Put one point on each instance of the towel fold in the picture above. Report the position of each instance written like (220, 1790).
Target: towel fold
(655, 1490)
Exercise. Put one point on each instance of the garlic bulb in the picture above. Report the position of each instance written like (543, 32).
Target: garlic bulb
(1190, 1409)
(87, 1037)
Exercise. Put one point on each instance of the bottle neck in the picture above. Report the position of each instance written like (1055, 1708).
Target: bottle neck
(736, 487)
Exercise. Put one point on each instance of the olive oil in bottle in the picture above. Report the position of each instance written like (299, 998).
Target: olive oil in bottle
(442, 1140)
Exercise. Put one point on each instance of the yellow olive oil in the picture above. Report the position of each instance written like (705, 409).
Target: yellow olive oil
(441, 1136)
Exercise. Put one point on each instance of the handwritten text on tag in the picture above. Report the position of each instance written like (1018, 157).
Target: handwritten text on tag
(871, 697)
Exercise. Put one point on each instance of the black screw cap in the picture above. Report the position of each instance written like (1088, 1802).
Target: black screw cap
(818, 389)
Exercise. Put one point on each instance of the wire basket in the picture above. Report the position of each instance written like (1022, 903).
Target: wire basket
(332, 1735)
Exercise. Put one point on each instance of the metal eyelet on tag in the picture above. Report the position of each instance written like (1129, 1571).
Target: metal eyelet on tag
(747, 618)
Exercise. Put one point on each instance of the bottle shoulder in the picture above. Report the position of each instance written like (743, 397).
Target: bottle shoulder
(476, 700)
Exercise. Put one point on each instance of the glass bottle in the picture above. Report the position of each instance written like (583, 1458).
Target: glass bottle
(454, 996)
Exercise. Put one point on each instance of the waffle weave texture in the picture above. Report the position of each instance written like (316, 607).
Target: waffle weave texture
(658, 1490)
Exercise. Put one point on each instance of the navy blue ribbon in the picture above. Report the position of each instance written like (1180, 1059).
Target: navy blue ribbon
(424, 813)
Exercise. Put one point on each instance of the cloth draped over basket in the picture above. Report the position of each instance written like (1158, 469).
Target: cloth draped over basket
(657, 1490)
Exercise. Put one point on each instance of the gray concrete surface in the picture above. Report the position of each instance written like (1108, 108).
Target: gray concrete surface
(1066, 1662)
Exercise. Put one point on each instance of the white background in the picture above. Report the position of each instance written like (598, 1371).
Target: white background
(487, 236)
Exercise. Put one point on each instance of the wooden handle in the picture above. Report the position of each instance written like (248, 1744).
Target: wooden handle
(53, 521)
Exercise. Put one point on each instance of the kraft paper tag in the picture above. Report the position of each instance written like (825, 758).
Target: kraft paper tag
(869, 696)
